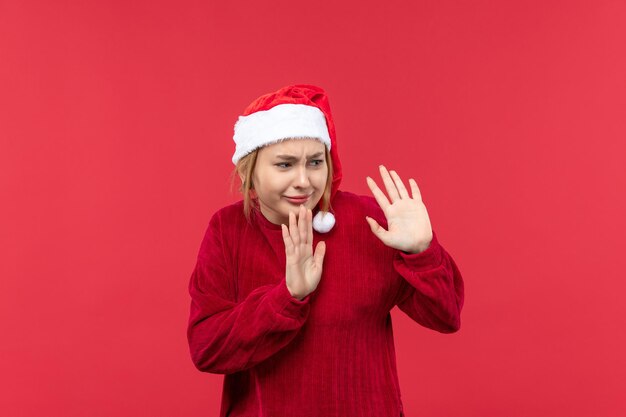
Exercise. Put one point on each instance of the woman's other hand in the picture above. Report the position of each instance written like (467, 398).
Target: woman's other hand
(407, 218)
(303, 269)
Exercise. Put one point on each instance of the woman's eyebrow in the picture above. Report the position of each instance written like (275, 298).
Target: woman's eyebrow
(293, 158)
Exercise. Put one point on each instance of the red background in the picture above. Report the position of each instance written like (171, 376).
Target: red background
(116, 125)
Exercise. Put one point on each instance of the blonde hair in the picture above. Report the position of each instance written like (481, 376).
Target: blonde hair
(245, 168)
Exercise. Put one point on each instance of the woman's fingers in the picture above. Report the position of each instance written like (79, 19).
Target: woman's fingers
(389, 184)
(399, 184)
(298, 227)
(377, 229)
(302, 226)
(299, 233)
(320, 250)
(417, 195)
(380, 197)
(293, 229)
(309, 233)
(287, 239)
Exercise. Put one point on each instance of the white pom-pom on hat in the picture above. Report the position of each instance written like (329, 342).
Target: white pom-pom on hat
(323, 221)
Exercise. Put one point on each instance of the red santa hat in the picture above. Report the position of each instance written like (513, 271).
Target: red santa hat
(293, 112)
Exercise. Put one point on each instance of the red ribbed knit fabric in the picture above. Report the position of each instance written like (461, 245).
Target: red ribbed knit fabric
(331, 354)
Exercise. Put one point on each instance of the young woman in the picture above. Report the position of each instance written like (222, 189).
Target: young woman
(293, 286)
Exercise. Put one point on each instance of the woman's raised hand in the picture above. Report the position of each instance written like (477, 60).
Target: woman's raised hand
(303, 269)
(407, 217)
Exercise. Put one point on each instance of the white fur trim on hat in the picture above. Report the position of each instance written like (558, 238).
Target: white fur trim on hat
(323, 221)
(280, 122)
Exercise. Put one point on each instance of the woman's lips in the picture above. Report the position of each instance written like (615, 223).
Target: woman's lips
(298, 200)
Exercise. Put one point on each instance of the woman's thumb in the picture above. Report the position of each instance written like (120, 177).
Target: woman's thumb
(377, 229)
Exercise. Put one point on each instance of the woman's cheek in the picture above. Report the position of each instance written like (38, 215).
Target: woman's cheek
(321, 182)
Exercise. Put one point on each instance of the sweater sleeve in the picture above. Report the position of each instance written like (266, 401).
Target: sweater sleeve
(226, 336)
(433, 290)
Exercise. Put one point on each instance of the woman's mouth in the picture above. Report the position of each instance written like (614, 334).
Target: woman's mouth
(297, 199)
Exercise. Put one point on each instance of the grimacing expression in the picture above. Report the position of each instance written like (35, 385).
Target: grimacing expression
(290, 168)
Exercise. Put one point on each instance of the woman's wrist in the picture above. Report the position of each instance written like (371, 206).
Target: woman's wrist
(296, 294)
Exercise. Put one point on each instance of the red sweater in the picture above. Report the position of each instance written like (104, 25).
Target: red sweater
(332, 353)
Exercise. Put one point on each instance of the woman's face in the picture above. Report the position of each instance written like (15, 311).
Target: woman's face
(290, 168)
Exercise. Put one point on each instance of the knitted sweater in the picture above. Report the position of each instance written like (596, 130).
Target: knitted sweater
(331, 353)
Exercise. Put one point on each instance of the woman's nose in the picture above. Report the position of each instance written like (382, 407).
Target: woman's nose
(303, 177)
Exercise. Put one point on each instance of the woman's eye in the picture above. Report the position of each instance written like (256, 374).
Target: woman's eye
(316, 162)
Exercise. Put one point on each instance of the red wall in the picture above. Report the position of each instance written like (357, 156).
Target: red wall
(116, 125)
